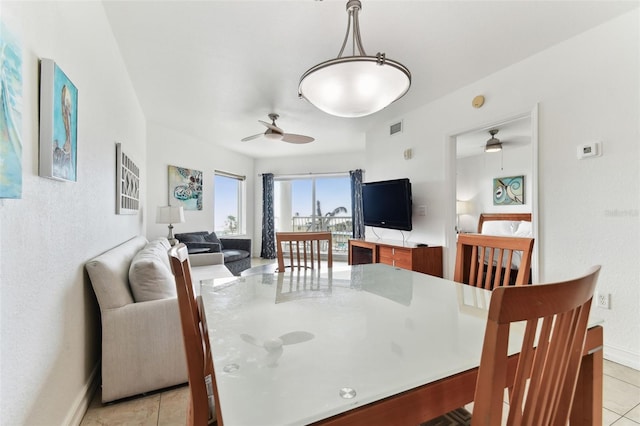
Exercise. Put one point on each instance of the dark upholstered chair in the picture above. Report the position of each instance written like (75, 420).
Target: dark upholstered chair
(236, 251)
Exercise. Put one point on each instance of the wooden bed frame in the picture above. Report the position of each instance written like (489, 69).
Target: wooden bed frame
(485, 217)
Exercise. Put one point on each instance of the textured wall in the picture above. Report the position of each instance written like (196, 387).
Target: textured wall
(48, 314)
(588, 209)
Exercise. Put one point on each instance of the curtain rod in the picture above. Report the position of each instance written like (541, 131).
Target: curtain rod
(293, 175)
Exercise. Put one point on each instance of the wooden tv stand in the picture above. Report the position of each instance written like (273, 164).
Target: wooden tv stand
(427, 260)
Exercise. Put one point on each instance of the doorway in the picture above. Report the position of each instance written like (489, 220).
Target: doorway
(472, 172)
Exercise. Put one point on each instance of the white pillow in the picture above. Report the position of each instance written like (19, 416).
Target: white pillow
(499, 227)
(150, 275)
(524, 230)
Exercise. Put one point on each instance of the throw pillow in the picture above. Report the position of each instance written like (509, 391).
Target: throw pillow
(213, 238)
(150, 275)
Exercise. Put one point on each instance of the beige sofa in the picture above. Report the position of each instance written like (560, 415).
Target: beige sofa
(142, 348)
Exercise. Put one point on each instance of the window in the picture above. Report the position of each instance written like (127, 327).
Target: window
(228, 203)
(317, 203)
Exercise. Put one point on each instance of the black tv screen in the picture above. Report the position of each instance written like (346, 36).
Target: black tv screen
(387, 204)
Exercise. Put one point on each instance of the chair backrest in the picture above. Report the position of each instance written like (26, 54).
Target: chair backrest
(555, 317)
(486, 261)
(304, 249)
(204, 405)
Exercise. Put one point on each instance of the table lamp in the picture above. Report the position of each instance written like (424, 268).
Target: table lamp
(170, 215)
(462, 207)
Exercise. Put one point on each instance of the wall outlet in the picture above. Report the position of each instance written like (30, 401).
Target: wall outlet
(603, 300)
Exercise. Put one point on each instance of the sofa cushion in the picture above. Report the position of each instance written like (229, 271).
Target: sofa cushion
(192, 237)
(233, 255)
(150, 273)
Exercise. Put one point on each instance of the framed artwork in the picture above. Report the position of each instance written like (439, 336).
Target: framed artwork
(185, 188)
(508, 191)
(127, 183)
(11, 118)
(58, 123)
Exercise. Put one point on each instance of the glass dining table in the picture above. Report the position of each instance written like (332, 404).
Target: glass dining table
(368, 344)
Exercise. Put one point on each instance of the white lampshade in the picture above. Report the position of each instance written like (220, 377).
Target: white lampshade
(464, 207)
(170, 214)
(354, 86)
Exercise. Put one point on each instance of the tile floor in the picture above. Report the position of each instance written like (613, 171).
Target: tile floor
(169, 407)
(621, 403)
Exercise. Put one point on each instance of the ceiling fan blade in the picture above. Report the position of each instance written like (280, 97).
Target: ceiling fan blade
(296, 337)
(293, 138)
(272, 127)
(250, 138)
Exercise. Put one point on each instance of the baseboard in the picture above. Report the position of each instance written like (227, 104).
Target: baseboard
(622, 356)
(83, 400)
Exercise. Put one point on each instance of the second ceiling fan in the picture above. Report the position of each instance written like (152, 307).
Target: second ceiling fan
(276, 133)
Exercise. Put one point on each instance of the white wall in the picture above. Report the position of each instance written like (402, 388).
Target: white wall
(169, 147)
(474, 181)
(329, 163)
(589, 209)
(49, 316)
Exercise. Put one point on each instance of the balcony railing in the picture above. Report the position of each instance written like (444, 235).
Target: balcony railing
(339, 226)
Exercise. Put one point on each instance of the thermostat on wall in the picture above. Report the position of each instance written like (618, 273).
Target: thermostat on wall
(588, 150)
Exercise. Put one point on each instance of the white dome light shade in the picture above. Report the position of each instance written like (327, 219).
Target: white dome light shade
(354, 86)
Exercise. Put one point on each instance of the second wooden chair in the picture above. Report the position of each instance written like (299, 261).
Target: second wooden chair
(488, 261)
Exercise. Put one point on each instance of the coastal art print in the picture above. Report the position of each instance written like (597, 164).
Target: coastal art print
(185, 188)
(10, 114)
(508, 191)
(127, 183)
(58, 123)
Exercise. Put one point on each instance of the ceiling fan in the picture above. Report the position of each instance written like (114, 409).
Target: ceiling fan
(274, 345)
(276, 133)
(496, 145)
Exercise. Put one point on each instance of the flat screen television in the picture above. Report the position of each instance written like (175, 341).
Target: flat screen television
(387, 204)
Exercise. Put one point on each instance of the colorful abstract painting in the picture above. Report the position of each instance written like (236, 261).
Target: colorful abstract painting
(58, 123)
(11, 114)
(185, 188)
(508, 191)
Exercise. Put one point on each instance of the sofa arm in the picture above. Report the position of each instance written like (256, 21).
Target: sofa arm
(142, 348)
(236, 243)
(203, 259)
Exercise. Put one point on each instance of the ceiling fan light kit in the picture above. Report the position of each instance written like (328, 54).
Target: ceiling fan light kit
(493, 144)
(357, 85)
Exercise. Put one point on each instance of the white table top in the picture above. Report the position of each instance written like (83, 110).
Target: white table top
(372, 330)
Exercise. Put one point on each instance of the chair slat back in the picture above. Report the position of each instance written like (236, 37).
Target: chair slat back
(556, 317)
(204, 406)
(304, 249)
(486, 260)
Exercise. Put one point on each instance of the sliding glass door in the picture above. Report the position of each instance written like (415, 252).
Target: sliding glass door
(315, 203)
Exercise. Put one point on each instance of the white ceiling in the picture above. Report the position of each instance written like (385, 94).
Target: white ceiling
(213, 68)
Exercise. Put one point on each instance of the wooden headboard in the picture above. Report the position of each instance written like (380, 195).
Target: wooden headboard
(485, 217)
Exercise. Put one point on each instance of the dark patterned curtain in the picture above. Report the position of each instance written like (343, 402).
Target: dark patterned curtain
(356, 203)
(268, 229)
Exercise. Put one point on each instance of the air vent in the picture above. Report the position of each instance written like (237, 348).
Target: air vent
(395, 128)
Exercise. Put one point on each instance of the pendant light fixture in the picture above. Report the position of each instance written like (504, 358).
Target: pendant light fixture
(357, 85)
(493, 144)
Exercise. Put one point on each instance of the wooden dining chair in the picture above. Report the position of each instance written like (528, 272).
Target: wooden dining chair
(304, 249)
(543, 384)
(487, 261)
(204, 406)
